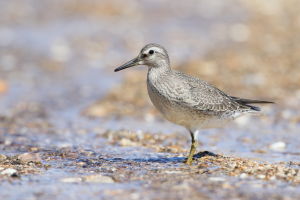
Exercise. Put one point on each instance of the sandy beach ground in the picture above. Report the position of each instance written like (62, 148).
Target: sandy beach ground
(71, 128)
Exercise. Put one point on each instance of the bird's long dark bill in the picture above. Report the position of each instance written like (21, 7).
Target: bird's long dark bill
(131, 63)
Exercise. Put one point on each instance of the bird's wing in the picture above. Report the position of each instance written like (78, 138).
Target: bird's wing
(200, 95)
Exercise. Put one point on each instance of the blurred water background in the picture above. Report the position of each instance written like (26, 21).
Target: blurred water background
(58, 89)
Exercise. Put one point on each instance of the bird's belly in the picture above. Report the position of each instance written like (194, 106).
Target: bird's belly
(180, 114)
(165, 105)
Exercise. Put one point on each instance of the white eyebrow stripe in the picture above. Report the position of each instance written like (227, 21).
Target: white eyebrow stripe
(159, 50)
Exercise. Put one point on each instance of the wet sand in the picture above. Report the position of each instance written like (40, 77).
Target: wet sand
(70, 128)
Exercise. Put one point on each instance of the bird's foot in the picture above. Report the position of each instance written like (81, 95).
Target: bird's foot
(188, 161)
(205, 153)
(200, 154)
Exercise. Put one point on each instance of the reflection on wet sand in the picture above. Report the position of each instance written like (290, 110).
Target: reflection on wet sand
(70, 128)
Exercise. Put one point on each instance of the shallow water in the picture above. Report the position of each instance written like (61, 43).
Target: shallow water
(57, 63)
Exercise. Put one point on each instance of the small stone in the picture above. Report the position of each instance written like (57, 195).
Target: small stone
(2, 157)
(257, 185)
(227, 186)
(33, 148)
(261, 176)
(243, 175)
(278, 146)
(3, 86)
(60, 50)
(242, 121)
(259, 151)
(127, 142)
(81, 164)
(172, 172)
(71, 180)
(30, 157)
(297, 178)
(113, 169)
(88, 153)
(232, 165)
(97, 178)
(217, 179)
(9, 172)
(70, 155)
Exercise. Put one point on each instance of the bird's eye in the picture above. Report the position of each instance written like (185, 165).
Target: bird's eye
(151, 52)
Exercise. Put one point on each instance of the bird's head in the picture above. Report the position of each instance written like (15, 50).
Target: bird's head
(152, 55)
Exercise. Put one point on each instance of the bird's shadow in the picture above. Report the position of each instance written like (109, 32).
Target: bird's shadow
(161, 159)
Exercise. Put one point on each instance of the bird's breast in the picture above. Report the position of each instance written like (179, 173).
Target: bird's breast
(158, 97)
(159, 94)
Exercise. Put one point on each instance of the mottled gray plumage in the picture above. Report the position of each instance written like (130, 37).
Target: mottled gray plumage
(186, 100)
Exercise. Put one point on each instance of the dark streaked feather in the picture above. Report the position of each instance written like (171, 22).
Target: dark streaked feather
(249, 101)
(246, 102)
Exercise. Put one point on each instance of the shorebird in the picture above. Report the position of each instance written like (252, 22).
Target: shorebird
(186, 100)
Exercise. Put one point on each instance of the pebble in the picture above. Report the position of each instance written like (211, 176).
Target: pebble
(2, 157)
(172, 172)
(261, 176)
(127, 142)
(98, 178)
(71, 180)
(81, 164)
(9, 172)
(278, 146)
(88, 153)
(3, 86)
(30, 157)
(243, 175)
(217, 179)
(95, 178)
(242, 121)
(60, 50)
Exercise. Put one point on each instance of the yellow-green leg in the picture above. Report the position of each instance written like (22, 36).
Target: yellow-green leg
(192, 150)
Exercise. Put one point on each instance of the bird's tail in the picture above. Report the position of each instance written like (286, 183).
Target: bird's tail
(247, 102)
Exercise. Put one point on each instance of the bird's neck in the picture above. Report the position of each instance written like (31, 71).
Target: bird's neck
(156, 73)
